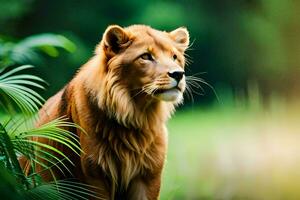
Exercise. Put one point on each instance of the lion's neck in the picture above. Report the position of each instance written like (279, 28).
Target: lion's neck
(134, 112)
(116, 100)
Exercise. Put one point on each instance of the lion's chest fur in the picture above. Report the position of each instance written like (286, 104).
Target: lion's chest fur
(119, 152)
(125, 153)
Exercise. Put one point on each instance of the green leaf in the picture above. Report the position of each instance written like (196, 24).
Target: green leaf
(63, 189)
(27, 50)
(34, 150)
(10, 154)
(16, 87)
(46, 42)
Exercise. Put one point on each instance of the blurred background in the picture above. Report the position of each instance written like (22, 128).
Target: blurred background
(239, 137)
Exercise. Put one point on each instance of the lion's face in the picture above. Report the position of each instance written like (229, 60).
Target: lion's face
(149, 62)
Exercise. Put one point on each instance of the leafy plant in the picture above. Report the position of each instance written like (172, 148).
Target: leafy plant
(16, 88)
(27, 50)
(18, 135)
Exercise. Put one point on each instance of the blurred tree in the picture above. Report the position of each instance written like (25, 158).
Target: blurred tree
(234, 41)
(12, 11)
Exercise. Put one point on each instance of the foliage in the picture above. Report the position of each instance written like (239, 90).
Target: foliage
(12, 10)
(15, 88)
(235, 41)
(26, 50)
(18, 135)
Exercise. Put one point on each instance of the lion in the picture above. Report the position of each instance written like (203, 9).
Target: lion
(122, 97)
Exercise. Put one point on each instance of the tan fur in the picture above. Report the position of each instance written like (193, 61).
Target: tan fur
(113, 99)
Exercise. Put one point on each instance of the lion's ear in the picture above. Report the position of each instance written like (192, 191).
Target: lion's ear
(115, 38)
(181, 36)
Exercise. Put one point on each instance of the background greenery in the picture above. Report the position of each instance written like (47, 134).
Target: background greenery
(18, 135)
(249, 52)
(234, 42)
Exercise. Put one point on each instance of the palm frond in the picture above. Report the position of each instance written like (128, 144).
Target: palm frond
(26, 50)
(25, 141)
(8, 150)
(21, 138)
(17, 88)
(47, 43)
(63, 189)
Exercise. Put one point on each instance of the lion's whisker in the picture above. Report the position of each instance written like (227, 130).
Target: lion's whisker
(200, 80)
(189, 93)
(195, 84)
(194, 91)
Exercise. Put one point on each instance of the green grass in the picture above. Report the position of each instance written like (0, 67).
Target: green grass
(233, 152)
(191, 134)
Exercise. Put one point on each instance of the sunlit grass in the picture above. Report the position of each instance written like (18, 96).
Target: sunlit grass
(234, 152)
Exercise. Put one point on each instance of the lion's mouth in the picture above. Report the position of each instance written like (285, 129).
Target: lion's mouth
(160, 91)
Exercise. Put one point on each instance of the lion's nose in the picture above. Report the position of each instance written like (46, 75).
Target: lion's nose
(177, 75)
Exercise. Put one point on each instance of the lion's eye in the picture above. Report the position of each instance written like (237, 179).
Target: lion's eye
(147, 56)
(174, 56)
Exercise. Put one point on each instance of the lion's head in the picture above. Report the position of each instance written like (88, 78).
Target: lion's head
(141, 66)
